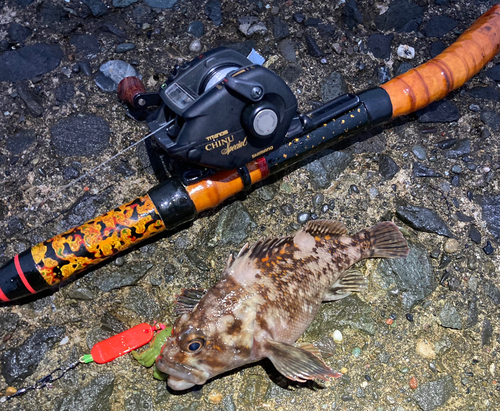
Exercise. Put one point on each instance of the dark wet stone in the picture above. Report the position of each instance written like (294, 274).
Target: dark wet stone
(423, 219)
(29, 61)
(8, 323)
(486, 333)
(80, 135)
(20, 362)
(380, 45)
(403, 68)
(97, 7)
(439, 112)
(333, 86)
(18, 33)
(419, 152)
(112, 324)
(196, 28)
(51, 14)
(299, 17)
(491, 214)
(313, 48)
(312, 22)
(472, 314)
(280, 28)
(139, 400)
(267, 192)
(14, 225)
(123, 3)
(461, 148)
(94, 396)
(233, 225)
(474, 234)
(450, 318)
(446, 144)
(287, 49)
(65, 92)
(80, 293)
(492, 291)
(463, 217)
(488, 93)
(287, 209)
(124, 47)
(111, 28)
(32, 101)
(291, 73)
(494, 73)
(455, 181)
(387, 167)
(21, 141)
(431, 395)
(349, 312)
(85, 67)
(438, 26)
(351, 16)
(413, 275)
(327, 168)
(128, 275)
(419, 170)
(83, 210)
(143, 304)
(161, 4)
(213, 11)
(105, 83)
(491, 119)
(326, 30)
(85, 43)
(399, 14)
(488, 248)
(197, 260)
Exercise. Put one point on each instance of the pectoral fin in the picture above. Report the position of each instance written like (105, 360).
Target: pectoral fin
(188, 299)
(351, 282)
(298, 364)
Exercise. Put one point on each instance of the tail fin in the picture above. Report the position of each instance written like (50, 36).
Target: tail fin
(386, 241)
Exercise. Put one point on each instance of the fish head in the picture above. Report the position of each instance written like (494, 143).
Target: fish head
(201, 348)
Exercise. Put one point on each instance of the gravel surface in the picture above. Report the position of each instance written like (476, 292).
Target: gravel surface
(423, 336)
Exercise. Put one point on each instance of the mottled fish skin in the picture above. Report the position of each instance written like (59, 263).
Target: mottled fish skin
(266, 298)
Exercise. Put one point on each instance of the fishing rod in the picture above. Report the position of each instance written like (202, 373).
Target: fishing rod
(234, 123)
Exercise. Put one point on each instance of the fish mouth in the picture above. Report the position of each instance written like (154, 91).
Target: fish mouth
(183, 372)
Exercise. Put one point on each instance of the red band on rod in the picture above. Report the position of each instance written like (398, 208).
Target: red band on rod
(3, 297)
(264, 169)
(22, 276)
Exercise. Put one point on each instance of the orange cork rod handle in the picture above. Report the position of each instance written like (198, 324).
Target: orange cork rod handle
(214, 190)
(448, 71)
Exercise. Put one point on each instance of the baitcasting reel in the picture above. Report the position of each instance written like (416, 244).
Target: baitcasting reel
(221, 109)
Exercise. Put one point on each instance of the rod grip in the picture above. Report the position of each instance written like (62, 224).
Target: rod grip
(431, 81)
(51, 261)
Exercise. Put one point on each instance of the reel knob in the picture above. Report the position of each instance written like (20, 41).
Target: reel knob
(261, 119)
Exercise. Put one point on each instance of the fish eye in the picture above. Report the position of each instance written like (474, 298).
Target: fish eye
(196, 345)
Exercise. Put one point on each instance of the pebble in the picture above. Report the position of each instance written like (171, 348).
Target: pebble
(124, 47)
(119, 261)
(419, 152)
(303, 217)
(213, 11)
(196, 28)
(488, 249)
(423, 219)
(354, 189)
(409, 317)
(195, 46)
(383, 74)
(439, 112)
(438, 26)
(337, 336)
(85, 67)
(313, 48)
(413, 383)
(343, 370)
(287, 49)
(474, 107)
(451, 246)
(380, 45)
(10, 391)
(356, 351)
(387, 167)
(406, 52)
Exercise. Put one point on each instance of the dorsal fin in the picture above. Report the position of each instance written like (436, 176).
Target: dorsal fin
(188, 299)
(264, 248)
(325, 227)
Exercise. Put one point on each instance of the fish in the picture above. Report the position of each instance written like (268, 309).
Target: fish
(266, 298)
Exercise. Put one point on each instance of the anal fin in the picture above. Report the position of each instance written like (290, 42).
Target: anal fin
(298, 364)
(352, 281)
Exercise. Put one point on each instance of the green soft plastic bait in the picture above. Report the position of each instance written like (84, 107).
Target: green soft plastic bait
(148, 357)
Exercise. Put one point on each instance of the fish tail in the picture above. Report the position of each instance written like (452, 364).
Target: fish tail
(385, 241)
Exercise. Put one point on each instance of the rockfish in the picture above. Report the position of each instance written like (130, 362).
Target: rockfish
(266, 298)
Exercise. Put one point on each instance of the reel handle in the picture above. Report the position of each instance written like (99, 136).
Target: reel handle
(432, 81)
(129, 88)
